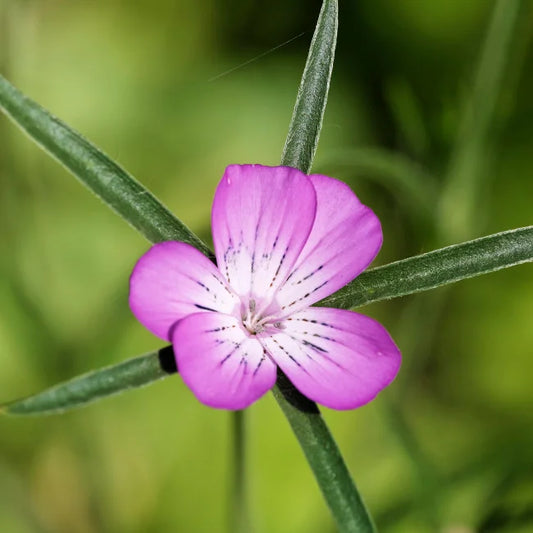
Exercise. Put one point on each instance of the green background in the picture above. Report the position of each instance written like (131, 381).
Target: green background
(447, 447)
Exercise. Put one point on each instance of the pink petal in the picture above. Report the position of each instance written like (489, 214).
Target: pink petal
(345, 238)
(261, 219)
(173, 280)
(337, 358)
(224, 366)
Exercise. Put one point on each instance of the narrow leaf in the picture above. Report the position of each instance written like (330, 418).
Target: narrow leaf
(433, 269)
(306, 122)
(97, 171)
(414, 274)
(96, 385)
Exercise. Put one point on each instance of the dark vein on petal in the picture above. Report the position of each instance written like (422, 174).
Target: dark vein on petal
(252, 269)
(263, 357)
(222, 283)
(220, 328)
(314, 346)
(306, 295)
(205, 287)
(244, 372)
(302, 349)
(320, 352)
(310, 275)
(204, 308)
(284, 350)
(280, 265)
(231, 353)
(324, 337)
(226, 256)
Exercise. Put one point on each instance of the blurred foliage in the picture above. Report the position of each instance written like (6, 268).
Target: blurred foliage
(447, 447)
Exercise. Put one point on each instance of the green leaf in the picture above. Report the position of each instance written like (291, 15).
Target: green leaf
(96, 385)
(97, 171)
(433, 269)
(306, 122)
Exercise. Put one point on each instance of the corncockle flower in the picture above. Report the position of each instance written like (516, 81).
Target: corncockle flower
(283, 241)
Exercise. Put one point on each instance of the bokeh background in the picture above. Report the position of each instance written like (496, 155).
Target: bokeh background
(448, 447)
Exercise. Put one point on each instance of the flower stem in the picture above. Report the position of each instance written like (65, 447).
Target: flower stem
(324, 458)
(239, 519)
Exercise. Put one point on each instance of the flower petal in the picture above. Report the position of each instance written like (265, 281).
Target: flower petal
(223, 365)
(345, 238)
(261, 219)
(172, 280)
(337, 358)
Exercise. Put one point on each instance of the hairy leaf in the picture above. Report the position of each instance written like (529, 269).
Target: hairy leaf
(433, 269)
(81, 390)
(131, 200)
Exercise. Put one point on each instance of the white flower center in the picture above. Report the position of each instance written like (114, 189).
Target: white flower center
(257, 320)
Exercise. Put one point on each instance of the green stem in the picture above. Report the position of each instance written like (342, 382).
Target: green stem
(239, 521)
(324, 458)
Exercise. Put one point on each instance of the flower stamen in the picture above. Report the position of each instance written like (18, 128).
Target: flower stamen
(255, 321)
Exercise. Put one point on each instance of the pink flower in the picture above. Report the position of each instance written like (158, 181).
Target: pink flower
(283, 241)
